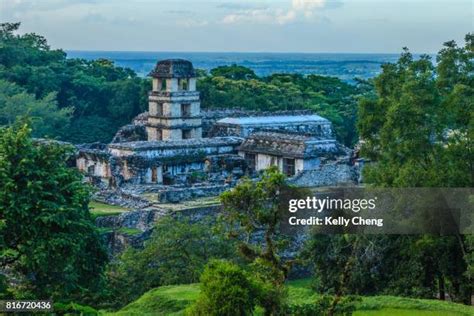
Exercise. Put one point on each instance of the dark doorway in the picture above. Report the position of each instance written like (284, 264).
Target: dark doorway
(251, 160)
(154, 175)
(289, 167)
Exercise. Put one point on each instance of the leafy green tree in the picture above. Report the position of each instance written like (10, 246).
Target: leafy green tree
(48, 239)
(234, 72)
(226, 290)
(46, 119)
(252, 208)
(418, 131)
(176, 253)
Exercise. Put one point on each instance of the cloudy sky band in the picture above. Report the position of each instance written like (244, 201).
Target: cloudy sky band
(281, 26)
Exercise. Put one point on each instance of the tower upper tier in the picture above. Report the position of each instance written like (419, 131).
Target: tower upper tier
(173, 68)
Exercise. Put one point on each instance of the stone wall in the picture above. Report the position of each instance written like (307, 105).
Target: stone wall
(115, 228)
(93, 160)
(210, 117)
(122, 198)
(130, 133)
(176, 195)
(330, 174)
(143, 222)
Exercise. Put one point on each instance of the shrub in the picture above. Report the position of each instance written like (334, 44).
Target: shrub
(74, 309)
(225, 290)
(345, 307)
(161, 261)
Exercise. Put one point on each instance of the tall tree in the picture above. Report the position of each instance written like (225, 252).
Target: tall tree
(260, 208)
(49, 242)
(418, 131)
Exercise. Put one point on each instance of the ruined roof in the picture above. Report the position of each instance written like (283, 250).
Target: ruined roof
(173, 68)
(183, 143)
(269, 120)
(287, 144)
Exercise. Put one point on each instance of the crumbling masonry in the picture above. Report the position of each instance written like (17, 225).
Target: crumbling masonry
(163, 151)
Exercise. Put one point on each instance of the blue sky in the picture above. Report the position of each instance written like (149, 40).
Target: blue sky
(361, 26)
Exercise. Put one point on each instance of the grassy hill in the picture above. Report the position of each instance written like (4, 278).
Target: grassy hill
(172, 300)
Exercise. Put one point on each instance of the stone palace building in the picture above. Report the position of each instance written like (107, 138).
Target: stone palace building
(164, 150)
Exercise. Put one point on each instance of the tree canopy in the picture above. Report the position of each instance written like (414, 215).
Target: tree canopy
(98, 96)
(48, 241)
(46, 119)
(419, 128)
(417, 131)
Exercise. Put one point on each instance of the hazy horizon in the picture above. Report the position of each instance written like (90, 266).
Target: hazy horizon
(247, 52)
(345, 66)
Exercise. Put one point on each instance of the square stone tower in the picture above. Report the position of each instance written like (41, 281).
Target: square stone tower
(174, 104)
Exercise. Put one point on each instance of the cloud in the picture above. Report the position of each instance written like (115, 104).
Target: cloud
(192, 23)
(37, 5)
(308, 4)
(259, 16)
(298, 9)
(240, 6)
(181, 12)
(95, 17)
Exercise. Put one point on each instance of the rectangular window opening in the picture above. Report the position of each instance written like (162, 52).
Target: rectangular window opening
(186, 110)
(289, 167)
(187, 134)
(91, 170)
(159, 109)
(251, 160)
(154, 175)
(183, 84)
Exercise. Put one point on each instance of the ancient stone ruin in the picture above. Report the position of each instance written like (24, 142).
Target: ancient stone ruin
(163, 151)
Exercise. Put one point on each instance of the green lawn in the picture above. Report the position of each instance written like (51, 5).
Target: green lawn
(98, 209)
(172, 300)
(404, 312)
(165, 300)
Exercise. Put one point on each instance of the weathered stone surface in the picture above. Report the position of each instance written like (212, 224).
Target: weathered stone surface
(184, 194)
(211, 116)
(142, 220)
(293, 145)
(121, 198)
(116, 237)
(331, 174)
(173, 68)
(130, 133)
(245, 126)
(177, 144)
